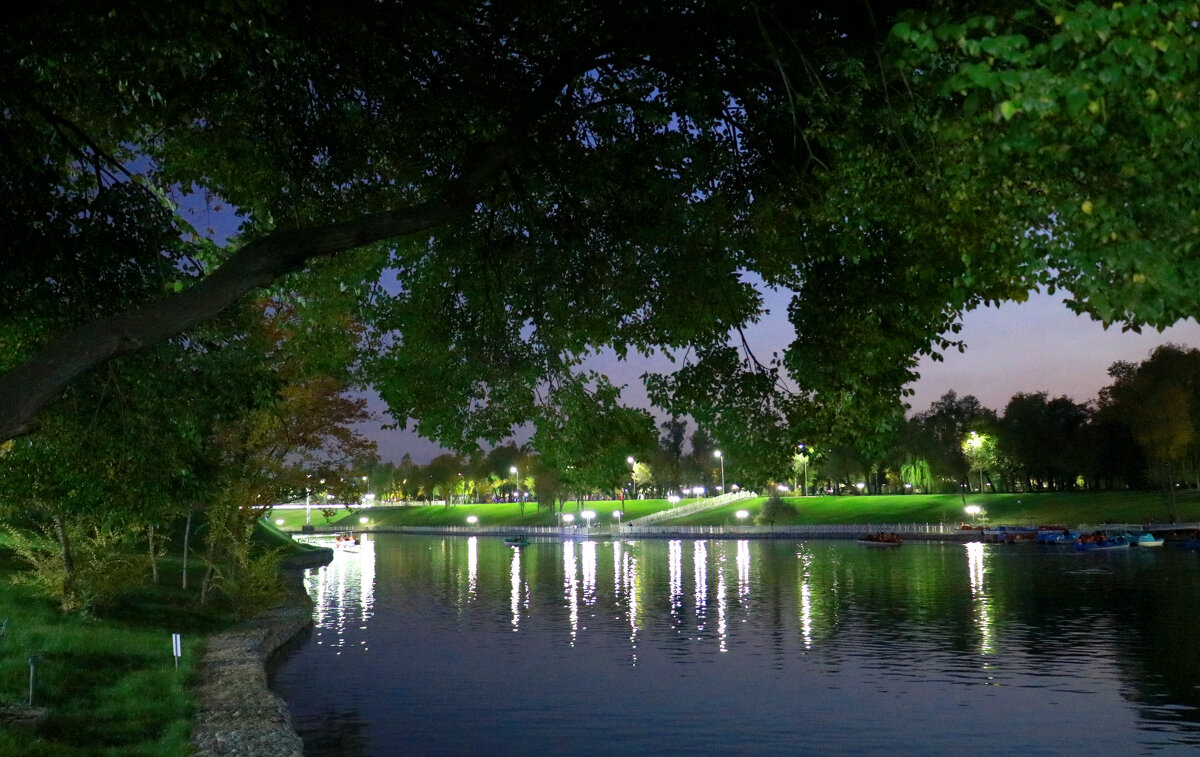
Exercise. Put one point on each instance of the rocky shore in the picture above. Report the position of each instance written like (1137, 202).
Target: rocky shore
(237, 715)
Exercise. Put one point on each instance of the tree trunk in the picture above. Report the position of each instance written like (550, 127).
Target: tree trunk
(28, 387)
(187, 533)
(68, 559)
(153, 556)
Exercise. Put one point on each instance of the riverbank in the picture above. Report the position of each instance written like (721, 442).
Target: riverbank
(236, 713)
(946, 511)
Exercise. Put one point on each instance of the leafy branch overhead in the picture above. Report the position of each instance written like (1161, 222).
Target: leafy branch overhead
(483, 196)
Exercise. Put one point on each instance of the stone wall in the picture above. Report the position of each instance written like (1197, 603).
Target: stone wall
(236, 714)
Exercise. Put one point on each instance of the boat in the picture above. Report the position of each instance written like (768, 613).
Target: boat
(1057, 535)
(1099, 541)
(1146, 540)
(880, 540)
(516, 541)
(1010, 534)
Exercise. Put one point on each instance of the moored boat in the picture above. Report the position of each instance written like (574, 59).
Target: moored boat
(516, 541)
(1100, 541)
(881, 540)
(1146, 540)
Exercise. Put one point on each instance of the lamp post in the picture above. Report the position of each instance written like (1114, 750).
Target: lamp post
(804, 456)
(721, 457)
(517, 475)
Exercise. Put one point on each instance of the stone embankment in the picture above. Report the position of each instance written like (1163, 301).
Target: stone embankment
(237, 715)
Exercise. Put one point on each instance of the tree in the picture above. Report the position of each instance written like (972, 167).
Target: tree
(1159, 399)
(1044, 438)
(980, 451)
(542, 179)
(942, 429)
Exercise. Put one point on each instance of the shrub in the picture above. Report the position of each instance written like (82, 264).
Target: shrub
(772, 509)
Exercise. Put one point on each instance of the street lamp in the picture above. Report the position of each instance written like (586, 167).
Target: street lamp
(517, 475)
(632, 477)
(588, 515)
(742, 515)
(471, 519)
(721, 457)
(804, 457)
(617, 515)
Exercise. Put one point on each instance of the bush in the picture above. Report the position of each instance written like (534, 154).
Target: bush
(772, 509)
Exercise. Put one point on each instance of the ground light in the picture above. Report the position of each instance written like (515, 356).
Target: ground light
(472, 519)
(279, 521)
(742, 515)
(364, 520)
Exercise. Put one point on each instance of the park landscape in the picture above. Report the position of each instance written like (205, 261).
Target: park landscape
(225, 227)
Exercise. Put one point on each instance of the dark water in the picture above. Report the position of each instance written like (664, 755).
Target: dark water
(445, 646)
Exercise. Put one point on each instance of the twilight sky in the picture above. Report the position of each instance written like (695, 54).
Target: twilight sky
(1034, 346)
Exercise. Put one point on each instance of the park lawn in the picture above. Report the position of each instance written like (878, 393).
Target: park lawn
(109, 681)
(488, 514)
(1068, 508)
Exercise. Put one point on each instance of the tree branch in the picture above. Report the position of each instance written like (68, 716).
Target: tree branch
(29, 387)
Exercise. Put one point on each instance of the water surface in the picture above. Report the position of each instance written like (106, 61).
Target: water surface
(431, 645)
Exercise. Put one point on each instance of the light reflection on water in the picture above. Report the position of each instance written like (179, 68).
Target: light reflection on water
(468, 646)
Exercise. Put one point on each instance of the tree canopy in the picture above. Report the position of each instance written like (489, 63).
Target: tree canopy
(489, 193)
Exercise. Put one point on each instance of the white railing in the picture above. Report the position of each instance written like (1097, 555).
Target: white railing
(832, 531)
(694, 507)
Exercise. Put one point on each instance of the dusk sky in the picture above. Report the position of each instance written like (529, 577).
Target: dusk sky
(1034, 346)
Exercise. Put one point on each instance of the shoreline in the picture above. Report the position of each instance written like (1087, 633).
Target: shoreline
(236, 712)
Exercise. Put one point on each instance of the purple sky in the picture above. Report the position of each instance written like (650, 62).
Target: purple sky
(1035, 346)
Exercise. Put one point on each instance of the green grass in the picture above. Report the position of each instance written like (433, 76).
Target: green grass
(490, 514)
(109, 682)
(1068, 508)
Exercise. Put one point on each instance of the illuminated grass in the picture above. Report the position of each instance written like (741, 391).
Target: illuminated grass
(109, 683)
(1050, 507)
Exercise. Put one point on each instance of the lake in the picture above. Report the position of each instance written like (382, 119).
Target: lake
(466, 646)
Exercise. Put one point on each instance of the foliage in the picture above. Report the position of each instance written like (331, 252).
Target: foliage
(530, 183)
(104, 567)
(774, 507)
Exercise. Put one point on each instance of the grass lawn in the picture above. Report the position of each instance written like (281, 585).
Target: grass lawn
(109, 682)
(490, 514)
(1070, 508)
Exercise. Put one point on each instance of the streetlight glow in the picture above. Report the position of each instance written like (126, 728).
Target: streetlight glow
(717, 454)
(472, 519)
(742, 514)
